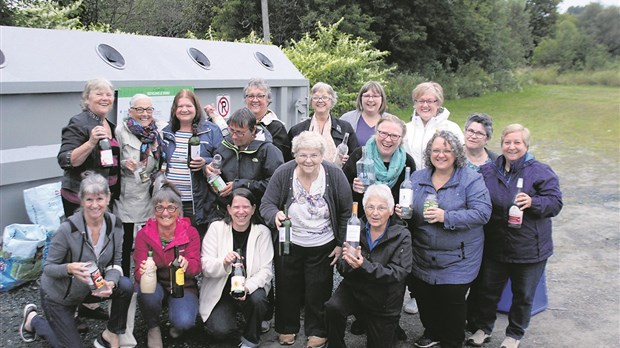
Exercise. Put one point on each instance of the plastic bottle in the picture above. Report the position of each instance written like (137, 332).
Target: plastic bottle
(515, 214)
(215, 180)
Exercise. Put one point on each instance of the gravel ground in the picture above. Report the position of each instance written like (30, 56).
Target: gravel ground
(583, 277)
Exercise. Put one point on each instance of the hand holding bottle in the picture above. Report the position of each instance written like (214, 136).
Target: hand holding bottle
(230, 258)
(523, 201)
(357, 185)
(354, 259)
(434, 214)
(197, 164)
(96, 134)
(280, 216)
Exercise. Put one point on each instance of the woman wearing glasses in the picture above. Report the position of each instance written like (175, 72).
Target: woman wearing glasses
(371, 105)
(330, 128)
(429, 116)
(317, 198)
(478, 132)
(169, 229)
(141, 153)
(448, 238)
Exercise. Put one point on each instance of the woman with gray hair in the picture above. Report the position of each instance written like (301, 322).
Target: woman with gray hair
(317, 198)
(451, 204)
(478, 132)
(82, 266)
(331, 129)
(374, 279)
(167, 231)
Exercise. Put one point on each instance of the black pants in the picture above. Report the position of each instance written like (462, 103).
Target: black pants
(379, 329)
(188, 211)
(442, 311)
(305, 270)
(223, 320)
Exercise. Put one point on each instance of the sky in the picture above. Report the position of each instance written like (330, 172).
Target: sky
(568, 3)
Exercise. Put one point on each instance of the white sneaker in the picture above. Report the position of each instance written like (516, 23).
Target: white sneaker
(411, 306)
(510, 342)
(478, 339)
(265, 326)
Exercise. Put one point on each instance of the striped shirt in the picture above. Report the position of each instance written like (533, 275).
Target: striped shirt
(178, 171)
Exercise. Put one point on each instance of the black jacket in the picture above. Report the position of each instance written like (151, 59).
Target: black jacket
(380, 283)
(338, 129)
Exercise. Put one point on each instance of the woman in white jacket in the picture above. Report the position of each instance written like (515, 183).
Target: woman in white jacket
(429, 116)
(240, 230)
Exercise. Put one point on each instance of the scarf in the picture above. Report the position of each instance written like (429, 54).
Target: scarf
(385, 175)
(326, 134)
(148, 136)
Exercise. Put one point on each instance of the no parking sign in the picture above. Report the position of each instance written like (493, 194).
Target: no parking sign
(223, 104)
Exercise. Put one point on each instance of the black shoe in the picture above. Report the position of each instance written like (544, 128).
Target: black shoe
(401, 335)
(425, 342)
(97, 313)
(81, 324)
(100, 342)
(358, 327)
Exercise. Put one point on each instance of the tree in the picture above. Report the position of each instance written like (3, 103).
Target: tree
(543, 15)
(45, 14)
(602, 24)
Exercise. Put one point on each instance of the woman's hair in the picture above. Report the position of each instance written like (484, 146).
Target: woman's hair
(455, 144)
(91, 85)
(175, 124)
(381, 191)
(93, 183)
(137, 97)
(375, 87)
(426, 87)
(257, 82)
(247, 194)
(322, 86)
(243, 118)
(485, 120)
(308, 140)
(394, 119)
(513, 128)
(168, 193)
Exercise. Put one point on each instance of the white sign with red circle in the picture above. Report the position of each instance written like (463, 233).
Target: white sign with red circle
(223, 104)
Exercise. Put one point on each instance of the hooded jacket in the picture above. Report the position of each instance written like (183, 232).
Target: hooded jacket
(70, 244)
(185, 237)
(418, 134)
(532, 242)
(210, 137)
(380, 283)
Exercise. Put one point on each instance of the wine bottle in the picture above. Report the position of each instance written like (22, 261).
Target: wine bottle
(149, 277)
(177, 276)
(366, 169)
(353, 231)
(237, 281)
(285, 234)
(193, 146)
(105, 153)
(215, 180)
(342, 150)
(405, 196)
(515, 214)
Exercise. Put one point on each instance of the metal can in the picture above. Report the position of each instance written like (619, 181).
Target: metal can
(95, 278)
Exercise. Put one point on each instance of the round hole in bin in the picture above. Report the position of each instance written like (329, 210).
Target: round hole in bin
(2, 59)
(111, 56)
(199, 58)
(263, 60)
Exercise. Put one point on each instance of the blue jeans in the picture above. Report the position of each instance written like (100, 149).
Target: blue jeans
(182, 311)
(492, 280)
(223, 319)
(59, 329)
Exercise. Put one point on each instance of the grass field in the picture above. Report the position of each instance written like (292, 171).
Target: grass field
(572, 117)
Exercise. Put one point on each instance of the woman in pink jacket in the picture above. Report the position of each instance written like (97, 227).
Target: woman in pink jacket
(168, 230)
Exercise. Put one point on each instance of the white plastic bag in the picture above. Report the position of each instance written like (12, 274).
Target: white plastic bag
(22, 241)
(44, 205)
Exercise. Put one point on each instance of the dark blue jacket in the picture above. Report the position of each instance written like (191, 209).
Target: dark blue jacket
(449, 252)
(532, 242)
(210, 137)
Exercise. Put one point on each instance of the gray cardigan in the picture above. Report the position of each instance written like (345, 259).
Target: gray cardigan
(70, 244)
(337, 195)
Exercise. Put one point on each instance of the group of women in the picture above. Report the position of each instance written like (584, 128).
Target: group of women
(456, 246)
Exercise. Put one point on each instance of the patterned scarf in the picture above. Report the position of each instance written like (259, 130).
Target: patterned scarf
(388, 175)
(148, 136)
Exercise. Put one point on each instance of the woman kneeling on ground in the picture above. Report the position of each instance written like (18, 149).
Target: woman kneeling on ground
(90, 236)
(240, 236)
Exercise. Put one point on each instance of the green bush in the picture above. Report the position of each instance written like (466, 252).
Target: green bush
(341, 60)
(552, 76)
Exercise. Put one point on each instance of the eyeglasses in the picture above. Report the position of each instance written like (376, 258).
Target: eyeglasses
(171, 208)
(305, 156)
(422, 101)
(149, 110)
(384, 135)
(321, 98)
(255, 97)
(475, 134)
(380, 208)
(371, 96)
(237, 133)
(445, 152)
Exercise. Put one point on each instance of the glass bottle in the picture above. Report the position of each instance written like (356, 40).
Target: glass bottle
(430, 202)
(105, 153)
(515, 214)
(405, 196)
(237, 281)
(285, 234)
(193, 145)
(353, 231)
(177, 276)
(148, 281)
(342, 150)
(366, 169)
